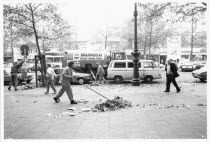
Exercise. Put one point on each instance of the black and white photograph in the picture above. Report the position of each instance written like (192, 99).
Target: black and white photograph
(104, 70)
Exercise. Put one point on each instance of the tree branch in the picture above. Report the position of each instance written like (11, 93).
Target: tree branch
(37, 7)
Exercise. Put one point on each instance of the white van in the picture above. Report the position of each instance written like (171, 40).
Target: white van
(120, 70)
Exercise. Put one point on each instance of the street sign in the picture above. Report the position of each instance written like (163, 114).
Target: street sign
(24, 50)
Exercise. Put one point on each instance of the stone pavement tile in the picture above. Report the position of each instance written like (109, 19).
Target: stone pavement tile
(103, 114)
(197, 128)
(10, 129)
(51, 132)
(44, 124)
(150, 134)
(165, 130)
(134, 135)
(32, 136)
(70, 129)
(50, 136)
(201, 134)
(56, 126)
(169, 136)
(82, 136)
(65, 135)
(132, 130)
(38, 129)
(160, 123)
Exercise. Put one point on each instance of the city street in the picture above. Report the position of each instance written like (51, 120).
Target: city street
(31, 114)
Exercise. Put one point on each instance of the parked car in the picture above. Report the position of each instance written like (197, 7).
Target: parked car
(120, 70)
(187, 66)
(7, 77)
(80, 77)
(199, 65)
(200, 73)
(38, 67)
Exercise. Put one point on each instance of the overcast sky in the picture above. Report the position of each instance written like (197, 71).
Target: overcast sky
(90, 15)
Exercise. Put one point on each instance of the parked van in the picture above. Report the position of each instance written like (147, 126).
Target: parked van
(120, 70)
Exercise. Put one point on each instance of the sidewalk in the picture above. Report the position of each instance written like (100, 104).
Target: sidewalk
(30, 114)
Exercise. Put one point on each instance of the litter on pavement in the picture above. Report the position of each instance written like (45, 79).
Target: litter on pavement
(71, 108)
(114, 104)
(86, 109)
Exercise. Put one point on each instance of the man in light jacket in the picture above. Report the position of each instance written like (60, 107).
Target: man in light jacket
(50, 75)
(65, 80)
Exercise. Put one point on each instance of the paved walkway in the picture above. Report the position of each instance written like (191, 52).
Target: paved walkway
(30, 114)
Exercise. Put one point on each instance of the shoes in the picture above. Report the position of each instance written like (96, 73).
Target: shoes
(178, 90)
(56, 100)
(54, 93)
(16, 89)
(166, 91)
(73, 102)
(46, 92)
(9, 88)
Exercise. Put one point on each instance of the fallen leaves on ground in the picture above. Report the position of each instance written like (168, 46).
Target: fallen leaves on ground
(114, 104)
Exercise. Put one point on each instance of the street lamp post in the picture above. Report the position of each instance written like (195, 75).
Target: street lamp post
(135, 80)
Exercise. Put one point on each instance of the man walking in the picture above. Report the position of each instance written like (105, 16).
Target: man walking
(100, 72)
(171, 74)
(65, 81)
(14, 74)
(50, 75)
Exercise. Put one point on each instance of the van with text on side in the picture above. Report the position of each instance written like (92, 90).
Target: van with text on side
(122, 70)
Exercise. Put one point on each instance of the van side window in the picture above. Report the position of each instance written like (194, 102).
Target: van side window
(119, 65)
(147, 65)
(130, 65)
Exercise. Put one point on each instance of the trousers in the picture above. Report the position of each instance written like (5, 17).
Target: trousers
(66, 87)
(171, 78)
(50, 82)
(14, 80)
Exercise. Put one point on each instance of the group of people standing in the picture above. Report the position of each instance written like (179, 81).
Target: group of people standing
(67, 77)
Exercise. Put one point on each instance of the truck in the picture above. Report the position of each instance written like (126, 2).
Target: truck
(86, 60)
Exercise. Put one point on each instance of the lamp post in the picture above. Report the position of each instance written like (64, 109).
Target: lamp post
(135, 80)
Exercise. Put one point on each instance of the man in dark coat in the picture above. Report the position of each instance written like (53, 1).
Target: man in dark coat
(171, 74)
(14, 74)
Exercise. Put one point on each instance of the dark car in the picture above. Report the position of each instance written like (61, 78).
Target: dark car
(7, 77)
(80, 77)
(200, 73)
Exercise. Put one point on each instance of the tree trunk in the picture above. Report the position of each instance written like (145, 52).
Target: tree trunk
(37, 43)
(11, 44)
(150, 37)
(192, 32)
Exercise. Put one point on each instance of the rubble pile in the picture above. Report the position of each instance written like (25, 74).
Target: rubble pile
(28, 87)
(114, 104)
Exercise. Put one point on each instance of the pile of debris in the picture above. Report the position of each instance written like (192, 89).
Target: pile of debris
(114, 104)
(28, 87)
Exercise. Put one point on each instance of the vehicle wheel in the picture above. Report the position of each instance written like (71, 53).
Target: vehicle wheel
(81, 81)
(148, 79)
(182, 70)
(117, 79)
(202, 80)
